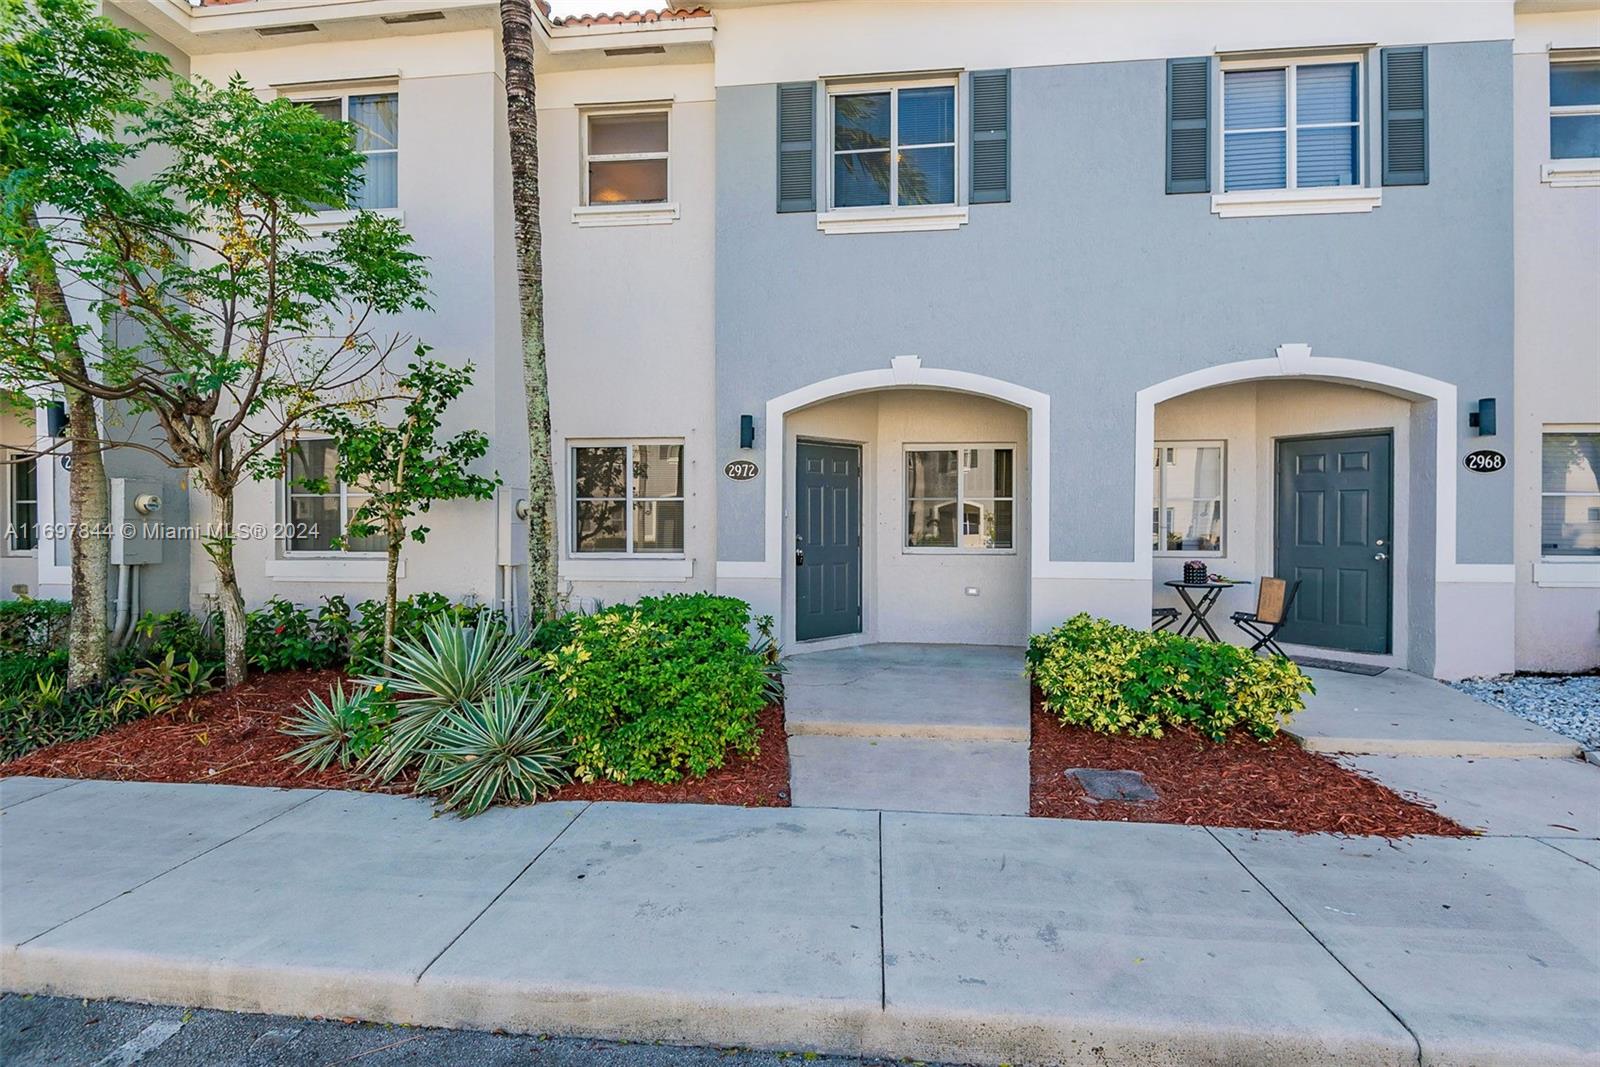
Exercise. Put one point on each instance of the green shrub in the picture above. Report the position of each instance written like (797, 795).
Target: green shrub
(280, 636)
(187, 637)
(654, 690)
(1115, 679)
(500, 749)
(18, 670)
(410, 616)
(33, 626)
(47, 713)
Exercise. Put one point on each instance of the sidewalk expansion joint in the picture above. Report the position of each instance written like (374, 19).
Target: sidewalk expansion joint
(66, 783)
(1415, 1040)
(504, 890)
(1564, 852)
(883, 959)
(180, 863)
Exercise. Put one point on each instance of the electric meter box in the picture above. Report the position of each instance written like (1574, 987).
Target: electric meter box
(135, 521)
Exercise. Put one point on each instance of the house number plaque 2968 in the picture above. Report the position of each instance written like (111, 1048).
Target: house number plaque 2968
(1485, 461)
(741, 470)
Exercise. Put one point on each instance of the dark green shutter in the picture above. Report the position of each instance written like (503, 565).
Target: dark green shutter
(991, 136)
(797, 139)
(1189, 125)
(1405, 116)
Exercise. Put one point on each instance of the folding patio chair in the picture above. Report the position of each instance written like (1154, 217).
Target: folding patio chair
(1161, 618)
(1273, 601)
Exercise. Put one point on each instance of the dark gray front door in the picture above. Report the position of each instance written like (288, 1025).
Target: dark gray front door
(827, 523)
(1334, 537)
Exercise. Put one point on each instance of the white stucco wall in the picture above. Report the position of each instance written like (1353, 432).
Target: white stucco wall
(910, 595)
(1557, 352)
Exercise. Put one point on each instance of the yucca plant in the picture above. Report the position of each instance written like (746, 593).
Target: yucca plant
(447, 666)
(341, 730)
(499, 749)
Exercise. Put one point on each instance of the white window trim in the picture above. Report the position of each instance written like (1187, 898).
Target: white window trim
(1573, 172)
(647, 214)
(285, 492)
(9, 499)
(572, 556)
(1292, 199)
(1160, 488)
(1562, 569)
(894, 217)
(907, 549)
(342, 92)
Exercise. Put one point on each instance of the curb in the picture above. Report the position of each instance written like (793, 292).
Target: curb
(845, 1027)
(1368, 746)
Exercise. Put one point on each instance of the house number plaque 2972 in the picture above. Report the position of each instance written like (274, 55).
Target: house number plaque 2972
(741, 470)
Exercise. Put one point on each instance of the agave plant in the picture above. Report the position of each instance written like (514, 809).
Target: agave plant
(339, 730)
(496, 750)
(766, 647)
(448, 666)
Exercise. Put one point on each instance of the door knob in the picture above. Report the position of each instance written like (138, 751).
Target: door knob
(1381, 556)
(799, 557)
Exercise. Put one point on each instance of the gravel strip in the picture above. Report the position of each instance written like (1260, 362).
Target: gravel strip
(1568, 705)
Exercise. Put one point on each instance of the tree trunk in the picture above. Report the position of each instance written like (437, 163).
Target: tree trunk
(89, 509)
(391, 592)
(89, 499)
(516, 26)
(218, 543)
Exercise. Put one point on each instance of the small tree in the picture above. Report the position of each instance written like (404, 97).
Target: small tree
(68, 82)
(222, 316)
(402, 465)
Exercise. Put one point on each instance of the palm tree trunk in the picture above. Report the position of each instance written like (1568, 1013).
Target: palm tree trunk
(516, 30)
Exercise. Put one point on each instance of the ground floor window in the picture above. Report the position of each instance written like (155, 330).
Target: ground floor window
(22, 483)
(960, 496)
(1571, 493)
(628, 498)
(319, 506)
(1187, 513)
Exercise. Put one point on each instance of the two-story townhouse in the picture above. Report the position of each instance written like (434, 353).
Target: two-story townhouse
(1556, 67)
(941, 322)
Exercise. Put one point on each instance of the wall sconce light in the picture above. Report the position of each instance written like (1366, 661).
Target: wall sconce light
(55, 418)
(1482, 419)
(523, 510)
(747, 431)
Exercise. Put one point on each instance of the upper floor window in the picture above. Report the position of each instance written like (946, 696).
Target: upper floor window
(625, 158)
(376, 118)
(1291, 125)
(894, 146)
(1571, 493)
(1188, 503)
(628, 498)
(22, 483)
(1574, 109)
(960, 497)
(319, 506)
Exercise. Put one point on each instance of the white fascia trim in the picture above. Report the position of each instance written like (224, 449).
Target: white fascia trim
(1267, 203)
(565, 40)
(1570, 173)
(332, 220)
(627, 570)
(893, 219)
(325, 569)
(1567, 574)
(625, 214)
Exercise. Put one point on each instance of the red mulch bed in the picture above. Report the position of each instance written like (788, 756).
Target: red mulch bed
(234, 739)
(1239, 783)
(759, 781)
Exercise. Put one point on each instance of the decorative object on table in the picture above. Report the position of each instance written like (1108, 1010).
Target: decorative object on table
(1194, 572)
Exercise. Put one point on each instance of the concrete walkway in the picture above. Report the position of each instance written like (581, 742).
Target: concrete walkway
(896, 934)
(1397, 713)
(939, 728)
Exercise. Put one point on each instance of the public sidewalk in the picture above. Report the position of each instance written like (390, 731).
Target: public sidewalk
(954, 937)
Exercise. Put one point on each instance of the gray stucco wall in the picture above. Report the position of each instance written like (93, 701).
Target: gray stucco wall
(1092, 283)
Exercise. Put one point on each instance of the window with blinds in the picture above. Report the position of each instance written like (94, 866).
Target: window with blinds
(1291, 125)
(1570, 493)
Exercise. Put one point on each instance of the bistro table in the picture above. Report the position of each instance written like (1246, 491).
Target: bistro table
(1210, 590)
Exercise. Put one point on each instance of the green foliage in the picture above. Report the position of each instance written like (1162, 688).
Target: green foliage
(18, 670)
(499, 749)
(1115, 679)
(186, 636)
(342, 729)
(411, 615)
(766, 647)
(281, 636)
(174, 681)
(448, 666)
(47, 713)
(33, 626)
(661, 688)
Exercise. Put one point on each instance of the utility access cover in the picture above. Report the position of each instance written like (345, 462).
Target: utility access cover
(1113, 785)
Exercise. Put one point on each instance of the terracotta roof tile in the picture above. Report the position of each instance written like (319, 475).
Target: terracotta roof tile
(619, 18)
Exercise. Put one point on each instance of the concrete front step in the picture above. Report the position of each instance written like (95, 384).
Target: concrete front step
(909, 774)
(933, 692)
